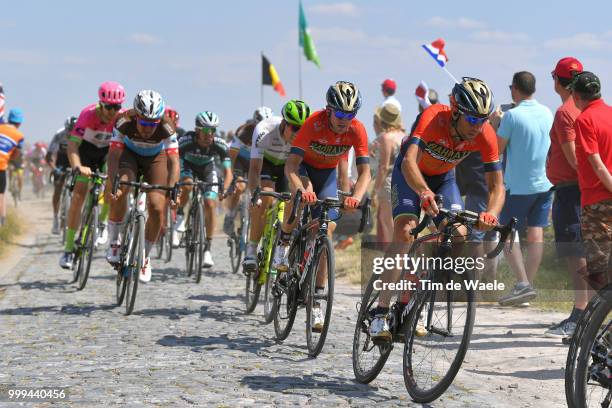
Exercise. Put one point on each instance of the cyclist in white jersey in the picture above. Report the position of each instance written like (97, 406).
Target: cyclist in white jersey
(270, 148)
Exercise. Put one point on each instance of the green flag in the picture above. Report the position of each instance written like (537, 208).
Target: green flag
(306, 40)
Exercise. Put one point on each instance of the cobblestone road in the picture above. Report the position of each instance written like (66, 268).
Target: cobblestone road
(192, 345)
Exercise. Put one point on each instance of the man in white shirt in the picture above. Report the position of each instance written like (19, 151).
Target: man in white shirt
(388, 90)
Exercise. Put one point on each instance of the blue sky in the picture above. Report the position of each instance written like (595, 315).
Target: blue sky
(203, 55)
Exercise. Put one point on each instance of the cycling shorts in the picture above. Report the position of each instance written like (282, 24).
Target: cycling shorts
(92, 157)
(405, 201)
(207, 173)
(2, 181)
(276, 174)
(62, 161)
(153, 168)
(324, 184)
(241, 167)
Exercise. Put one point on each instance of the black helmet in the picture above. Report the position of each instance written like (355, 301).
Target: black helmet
(473, 97)
(344, 96)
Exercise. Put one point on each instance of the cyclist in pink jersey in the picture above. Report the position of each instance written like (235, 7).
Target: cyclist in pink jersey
(87, 150)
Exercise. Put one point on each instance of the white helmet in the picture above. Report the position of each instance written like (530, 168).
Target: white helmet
(261, 113)
(206, 119)
(149, 104)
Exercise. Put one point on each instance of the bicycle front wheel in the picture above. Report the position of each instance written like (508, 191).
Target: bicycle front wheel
(285, 291)
(252, 289)
(168, 235)
(592, 386)
(134, 263)
(199, 233)
(437, 333)
(88, 248)
(319, 303)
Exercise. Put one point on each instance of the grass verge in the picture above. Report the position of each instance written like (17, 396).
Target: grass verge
(11, 229)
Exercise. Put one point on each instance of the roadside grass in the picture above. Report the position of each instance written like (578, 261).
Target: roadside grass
(11, 228)
(553, 282)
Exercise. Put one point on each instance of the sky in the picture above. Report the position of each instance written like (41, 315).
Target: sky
(206, 55)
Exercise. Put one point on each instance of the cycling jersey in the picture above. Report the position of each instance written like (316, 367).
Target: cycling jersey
(125, 135)
(192, 153)
(59, 143)
(440, 152)
(323, 149)
(11, 139)
(242, 140)
(36, 156)
(89, 128)
(268, 143)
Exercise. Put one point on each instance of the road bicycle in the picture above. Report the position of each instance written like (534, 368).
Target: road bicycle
(85, 244)
(238, 239)
(164, 242)
(435, 324)
(194, 237)
(588, 372)
(132, 253)
(310, 253)
(15, 186)
(264, 274)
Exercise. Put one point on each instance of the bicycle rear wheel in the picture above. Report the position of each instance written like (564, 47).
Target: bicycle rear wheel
(432, 361)
(87, 249)
(64, 205)
(252, 289)
(168, 236)
(286, 290)
(593, 387)
(269, 303)
(316, 333)
(368, 358)
(134, 263)
(121, 280)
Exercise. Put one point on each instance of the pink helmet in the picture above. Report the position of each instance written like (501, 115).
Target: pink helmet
(111, 92)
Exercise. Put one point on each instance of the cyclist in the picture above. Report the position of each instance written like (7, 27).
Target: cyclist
(174, 117)
(144, 142)
(442, 137)
(271, 145)
(240, 154)
(57, 159)
(198, 150)
(87, 150)
(36, 161)
(322, 145)
(11, 143)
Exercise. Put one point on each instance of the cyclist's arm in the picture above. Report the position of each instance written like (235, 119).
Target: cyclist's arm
(343, 178)
(73, 152)
(410, 169)
(363, 180)
(233, 153)
(497, 191)
(255, 166)
(174, 169)
(114, 153)
(292, 166)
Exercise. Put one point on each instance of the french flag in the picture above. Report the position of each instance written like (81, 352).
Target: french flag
(436, 50)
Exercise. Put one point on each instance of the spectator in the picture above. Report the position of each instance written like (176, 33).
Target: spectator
(388, 90)
(523, 134)
(10, 149)
(594, 154)
(561, 171)
(389, 122)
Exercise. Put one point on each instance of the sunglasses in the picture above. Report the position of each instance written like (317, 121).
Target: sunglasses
(148, 123)
(295, 128)
(208, 131)
(344, 115)
(473, 120)
(111, 106)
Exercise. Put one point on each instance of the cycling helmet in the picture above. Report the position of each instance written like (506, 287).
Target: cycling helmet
(206, 119)
(173, 115)
(295, 112)
(111, 92)
(261, 113)
(70, 122)
(149, 104)
(344, 96)
(472, 97)
(15, 116)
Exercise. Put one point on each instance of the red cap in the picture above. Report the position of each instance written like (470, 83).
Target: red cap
(389, 84)
(567, 67)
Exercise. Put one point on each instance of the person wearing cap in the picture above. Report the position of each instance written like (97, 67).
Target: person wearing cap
(388, 120)
(523, 134)
(11, 143)
(594, 156)
(561, 171)
(388, 88)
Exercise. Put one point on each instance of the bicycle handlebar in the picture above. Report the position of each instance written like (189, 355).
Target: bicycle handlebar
(284, 196)
(201, 185)
(469, 218)
(75, 173)
(232, 186)
(145, 186)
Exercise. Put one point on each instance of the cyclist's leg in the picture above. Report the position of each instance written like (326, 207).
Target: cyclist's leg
(127, 169)
(211, 199)
(155, 171)
(2, 196)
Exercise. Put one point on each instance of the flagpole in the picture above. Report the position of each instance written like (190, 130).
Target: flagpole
(300, 72)
(261, 96)
(450, 75)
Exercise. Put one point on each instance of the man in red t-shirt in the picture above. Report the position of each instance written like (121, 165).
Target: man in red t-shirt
(594, 153)
(561, 171)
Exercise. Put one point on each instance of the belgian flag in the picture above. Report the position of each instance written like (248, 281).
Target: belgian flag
(270, 77)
